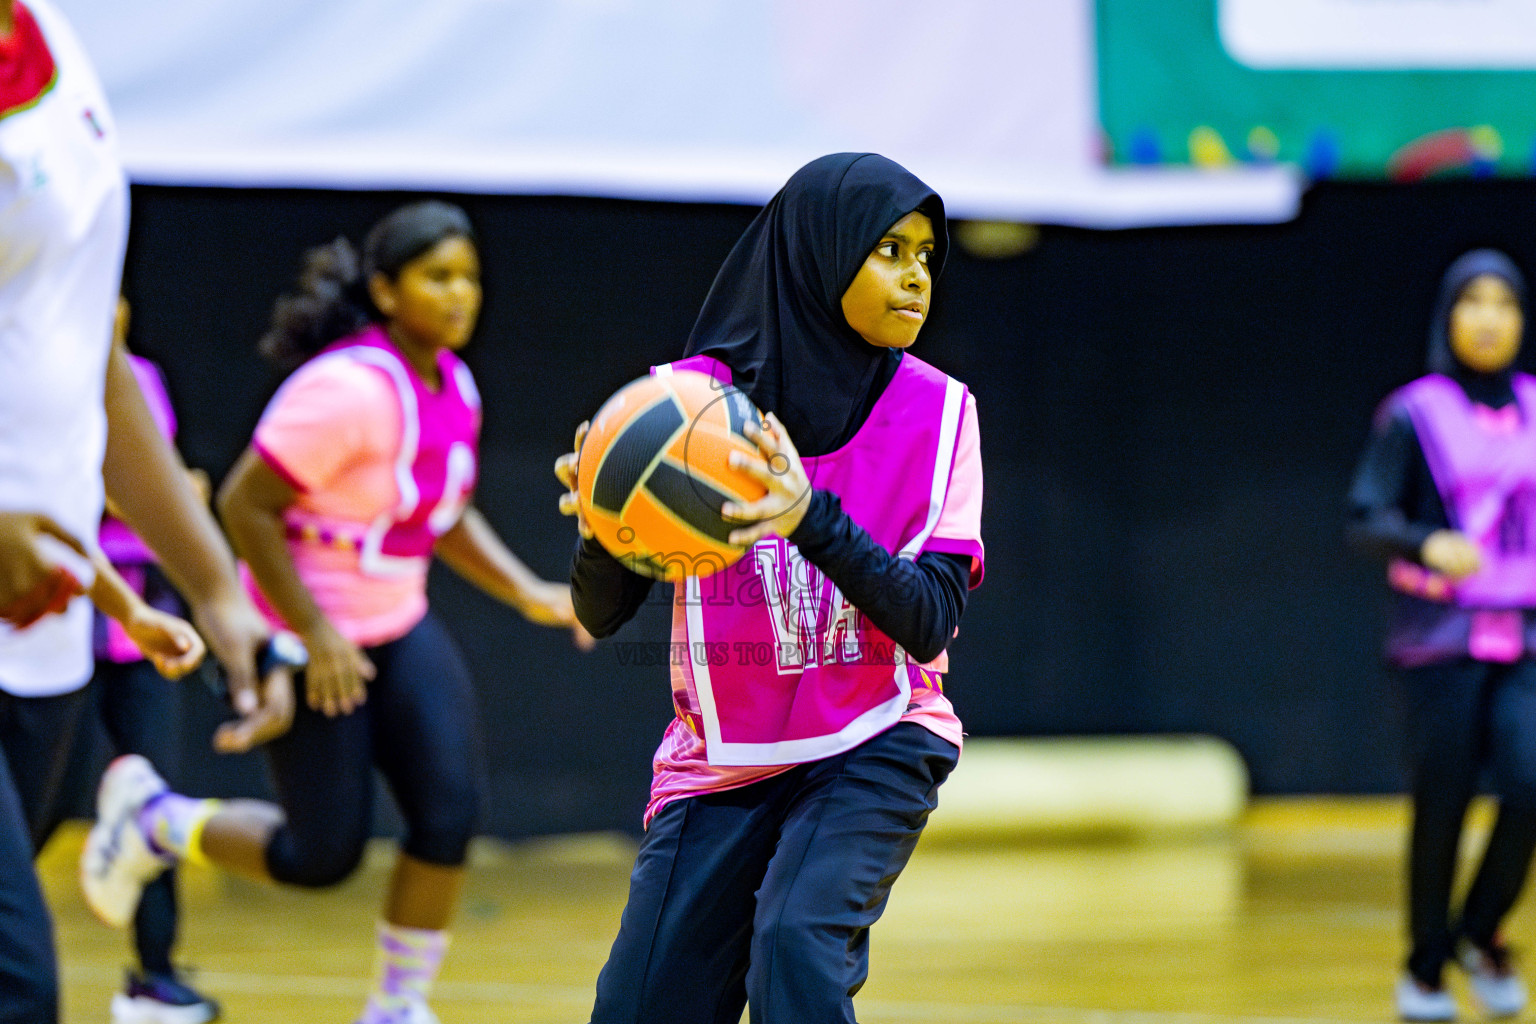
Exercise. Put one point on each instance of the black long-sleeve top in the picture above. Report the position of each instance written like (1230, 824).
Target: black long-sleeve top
(1394, 504)
(916, 603)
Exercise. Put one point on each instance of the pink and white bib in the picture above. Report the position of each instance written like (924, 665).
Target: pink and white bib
(383, 466)
(780, 668)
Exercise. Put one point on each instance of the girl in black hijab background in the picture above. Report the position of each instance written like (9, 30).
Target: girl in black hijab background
(758, 881)
(1444, 495)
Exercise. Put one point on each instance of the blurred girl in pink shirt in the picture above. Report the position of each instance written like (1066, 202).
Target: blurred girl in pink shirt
(361, 470)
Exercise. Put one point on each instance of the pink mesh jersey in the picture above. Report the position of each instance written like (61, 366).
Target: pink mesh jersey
(383, 466)
(1483, 462)
(773, 665)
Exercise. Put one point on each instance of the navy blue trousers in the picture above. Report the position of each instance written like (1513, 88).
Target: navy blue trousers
(1464, 719)
(764, 895)
(29, 980)
(36, 737)
(419, 727)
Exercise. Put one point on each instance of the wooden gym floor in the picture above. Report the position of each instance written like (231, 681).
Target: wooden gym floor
(1293, 917)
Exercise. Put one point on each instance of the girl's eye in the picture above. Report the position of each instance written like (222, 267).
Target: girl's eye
(925, 256)
(887, 249)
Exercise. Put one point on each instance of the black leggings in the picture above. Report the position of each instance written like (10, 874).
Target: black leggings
(420, 727)
(1464, 717)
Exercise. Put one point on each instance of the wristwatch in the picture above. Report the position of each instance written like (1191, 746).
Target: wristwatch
(282, 650)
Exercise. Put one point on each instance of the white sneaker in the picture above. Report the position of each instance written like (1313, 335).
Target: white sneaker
(117, 861)
(1494, 983)
(161, 999)
(419, 1013)
(1417, 1003)
(415, 1012)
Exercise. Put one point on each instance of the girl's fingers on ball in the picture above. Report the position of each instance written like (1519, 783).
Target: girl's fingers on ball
(775, 431)
(755, 512)
(767, 443)
(757, 469)
(749, 535)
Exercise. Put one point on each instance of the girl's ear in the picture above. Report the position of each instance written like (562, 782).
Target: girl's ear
(382, 291)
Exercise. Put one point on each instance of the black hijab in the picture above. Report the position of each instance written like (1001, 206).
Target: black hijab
(1492, 389)
(774, 314)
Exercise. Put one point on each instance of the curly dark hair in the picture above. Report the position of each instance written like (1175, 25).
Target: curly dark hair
(332, 300)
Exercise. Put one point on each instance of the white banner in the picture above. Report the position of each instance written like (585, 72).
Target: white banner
(1381, 34)
(991, 101)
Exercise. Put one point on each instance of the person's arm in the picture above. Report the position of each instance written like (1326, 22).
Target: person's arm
(148, 485)
(474, 551)
(170, 643)
(1383, 490)
(251, 502)
(604, 594)
(1395, 511)
(918, 603)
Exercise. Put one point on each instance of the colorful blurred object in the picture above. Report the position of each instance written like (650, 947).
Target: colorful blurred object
(1323, 155)
(1143, 149)
(1207, 149)
(1263, 145)
(1476, 150)
(996, 239)
(1487, 148)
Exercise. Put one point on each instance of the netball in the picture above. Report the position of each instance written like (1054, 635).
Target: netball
(655, 470)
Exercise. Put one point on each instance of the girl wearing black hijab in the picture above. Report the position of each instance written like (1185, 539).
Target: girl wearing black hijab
(1446, 495)
(790, 789)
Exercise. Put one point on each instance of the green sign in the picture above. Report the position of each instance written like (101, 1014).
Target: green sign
(1358, 88)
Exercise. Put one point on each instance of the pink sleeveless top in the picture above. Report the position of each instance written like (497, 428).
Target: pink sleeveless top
(778, 668)
(1483, 462)
(383, 466)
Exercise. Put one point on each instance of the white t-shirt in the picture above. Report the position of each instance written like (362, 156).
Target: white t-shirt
(63, 229)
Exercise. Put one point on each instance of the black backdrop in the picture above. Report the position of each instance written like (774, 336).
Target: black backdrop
(1169, 421)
